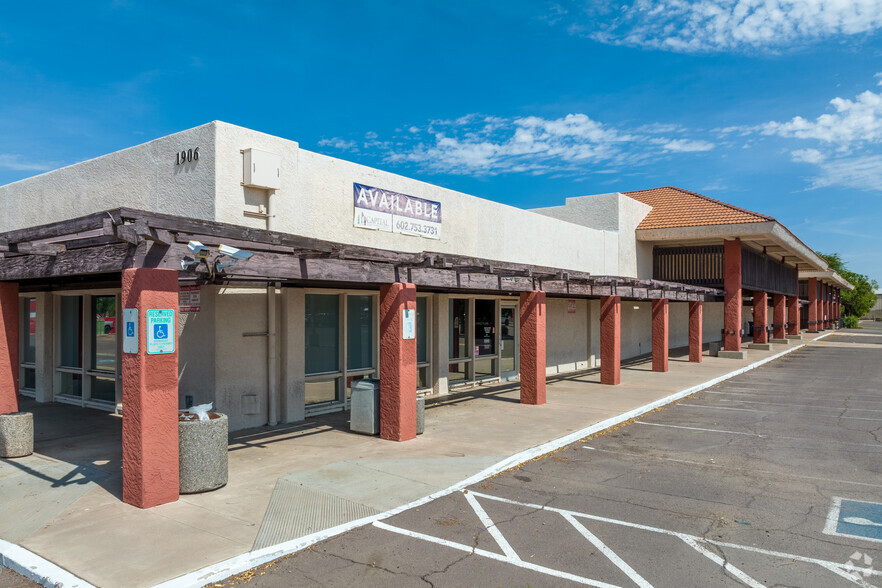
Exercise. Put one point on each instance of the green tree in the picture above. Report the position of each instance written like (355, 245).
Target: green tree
(859, 301)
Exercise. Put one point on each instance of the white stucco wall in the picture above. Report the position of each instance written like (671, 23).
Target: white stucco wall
(615, 213)
(240, 364)
(196, 350)
(567, 336)
(316, 200)
(142, 177)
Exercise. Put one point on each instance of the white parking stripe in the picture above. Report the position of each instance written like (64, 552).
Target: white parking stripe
(609, 553)
(721, 562)
(698, 429)
(488, 523)
(821, 562)
(719, 407)
(802, 405)
(490, 555)
(827, 416)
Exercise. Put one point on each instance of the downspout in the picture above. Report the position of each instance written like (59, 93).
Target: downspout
(272, 362)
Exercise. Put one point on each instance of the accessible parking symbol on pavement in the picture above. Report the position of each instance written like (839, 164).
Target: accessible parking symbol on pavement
(855, 518)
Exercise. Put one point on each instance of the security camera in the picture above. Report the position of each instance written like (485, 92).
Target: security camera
(236, 254)
(199, 250)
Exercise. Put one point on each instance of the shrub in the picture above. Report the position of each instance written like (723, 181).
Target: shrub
(850, 322)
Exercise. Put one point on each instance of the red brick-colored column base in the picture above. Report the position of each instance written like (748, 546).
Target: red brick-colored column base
(813, 305)
(150, 396)
(732, 300)
(793, 315)
(533, 347)
(779, 305)
(398, 359)
(611, 340)
(660, 314)
(8, 347)
(760, 317)
(695, 328)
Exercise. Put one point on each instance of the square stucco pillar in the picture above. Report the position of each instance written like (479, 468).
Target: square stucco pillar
(611, 340)
(398, 359)
(8, 347)
(660, 333)
(732, 300)
(778, 321)
(150, 396)
(813, 305)
(760, 317)
(696, 310)
(793, 315)
(827, 315)
(533, 317)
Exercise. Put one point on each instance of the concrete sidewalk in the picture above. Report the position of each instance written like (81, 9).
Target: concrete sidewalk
(64, 504)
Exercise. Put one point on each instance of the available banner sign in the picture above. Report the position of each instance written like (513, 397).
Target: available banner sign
(383, 210)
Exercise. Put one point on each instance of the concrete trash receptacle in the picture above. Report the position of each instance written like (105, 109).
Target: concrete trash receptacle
(16, 434)
(203, 453)
(364, 407)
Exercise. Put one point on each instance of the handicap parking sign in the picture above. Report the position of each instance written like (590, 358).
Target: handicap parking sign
(160, 331)
(130, 329)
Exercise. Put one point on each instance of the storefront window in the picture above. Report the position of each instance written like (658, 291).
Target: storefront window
(459, 331)
(359, 332)
(422, 331)
(485, 328)
(71, 332)
(322, 333)
(29, 352)
(104, 335)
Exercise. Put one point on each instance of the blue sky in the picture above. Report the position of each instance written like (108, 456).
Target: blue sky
(771, 105)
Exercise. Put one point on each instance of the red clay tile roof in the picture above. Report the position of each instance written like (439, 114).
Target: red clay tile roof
(675, 207)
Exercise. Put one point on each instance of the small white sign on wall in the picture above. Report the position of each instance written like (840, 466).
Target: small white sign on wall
(408, 324)
(130, 330)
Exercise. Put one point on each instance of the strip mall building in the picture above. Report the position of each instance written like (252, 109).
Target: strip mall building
(357, 273)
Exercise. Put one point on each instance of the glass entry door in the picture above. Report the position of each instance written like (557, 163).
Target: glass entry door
(508, 342)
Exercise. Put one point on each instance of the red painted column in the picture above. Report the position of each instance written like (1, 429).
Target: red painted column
(827, 322)
(533, 347)
(660, 314)
(822, 307)
(150, 396)
(732, 300)
(8, 347)
(779, 302)
(695, 328)
(813, 305)
(760, 317)
(611, 340)
(398, 359)
(793, 315)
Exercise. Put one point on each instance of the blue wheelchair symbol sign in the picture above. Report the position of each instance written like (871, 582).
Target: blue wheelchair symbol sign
(160, 331)
(130, 329)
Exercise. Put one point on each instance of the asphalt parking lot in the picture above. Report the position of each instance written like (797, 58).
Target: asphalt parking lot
(768, 479)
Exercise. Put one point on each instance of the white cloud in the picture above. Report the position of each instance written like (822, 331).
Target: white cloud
(854, 122)
(807, 156)
(722, 25)
(484, 145)
(686, 145)
(862, 172)
(339, 144)
(15, 162)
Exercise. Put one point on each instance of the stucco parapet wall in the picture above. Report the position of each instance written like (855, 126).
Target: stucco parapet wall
(771, 230)
(827, 277)
(125, 238)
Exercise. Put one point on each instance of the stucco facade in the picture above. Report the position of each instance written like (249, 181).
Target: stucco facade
(247, 348)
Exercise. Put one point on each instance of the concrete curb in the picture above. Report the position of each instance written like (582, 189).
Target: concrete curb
(48, 574)
(37, 569)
